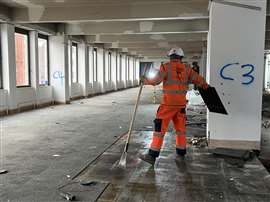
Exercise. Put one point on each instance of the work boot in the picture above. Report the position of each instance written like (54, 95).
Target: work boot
(148, 158)
(181, 152)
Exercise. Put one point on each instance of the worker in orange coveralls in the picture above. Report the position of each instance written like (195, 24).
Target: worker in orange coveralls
(175, 77)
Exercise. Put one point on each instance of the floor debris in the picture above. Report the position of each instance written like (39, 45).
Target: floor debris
(199, 141)
(3, 172)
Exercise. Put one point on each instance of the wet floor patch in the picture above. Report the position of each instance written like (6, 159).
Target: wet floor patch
(199, 177)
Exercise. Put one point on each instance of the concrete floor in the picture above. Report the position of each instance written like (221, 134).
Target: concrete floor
(200, 177)
(32, 141)
(265, 144)
(41, 148)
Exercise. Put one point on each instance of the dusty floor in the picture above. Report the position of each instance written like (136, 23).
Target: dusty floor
(39, 148)
(44, 148)
(200, 177)
(265, 144)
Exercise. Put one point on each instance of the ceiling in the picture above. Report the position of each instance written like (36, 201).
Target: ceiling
(141, 27)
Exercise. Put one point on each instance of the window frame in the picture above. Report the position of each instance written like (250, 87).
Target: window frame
(74, 44)
(128, 70)
(110, 66)
(46, 37)
(95, 65)
(24, 32)
(1, 68)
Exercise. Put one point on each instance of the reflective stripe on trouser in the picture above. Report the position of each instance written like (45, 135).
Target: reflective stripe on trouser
(165, 114)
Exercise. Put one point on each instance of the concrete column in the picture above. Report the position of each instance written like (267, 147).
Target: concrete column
(203, 62)
(59, 68)
(34, 65)
(123, 71)
(119, 71)
(106, 71)
(114, 70)
(90, 58)
(101, 72)
(137, 69)
(235, 68)
(9, 63)
(131, 71)
(83, 67)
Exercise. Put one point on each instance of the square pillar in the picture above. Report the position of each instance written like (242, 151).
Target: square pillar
(137, 71)
(123, 71)
(9, 63)
(114, 70)
(83, 67)
(59, 73)
(34, 59)
(101, 70)
(235, 67)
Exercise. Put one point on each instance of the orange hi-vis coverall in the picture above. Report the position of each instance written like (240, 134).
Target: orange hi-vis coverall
(175, 77)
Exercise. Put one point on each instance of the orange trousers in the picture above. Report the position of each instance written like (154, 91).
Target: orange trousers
(165, 114)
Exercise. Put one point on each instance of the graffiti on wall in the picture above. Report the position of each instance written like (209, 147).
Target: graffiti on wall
(59, 75)
(247, 77)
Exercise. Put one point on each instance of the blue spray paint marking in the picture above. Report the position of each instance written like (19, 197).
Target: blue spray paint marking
(248, 75)
(59, 75)
(221, 73)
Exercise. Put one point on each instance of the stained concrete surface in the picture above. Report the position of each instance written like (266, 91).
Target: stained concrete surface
(200, 177)
(42, 148)
(265, 144)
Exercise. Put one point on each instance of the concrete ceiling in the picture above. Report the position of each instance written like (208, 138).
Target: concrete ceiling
(142, 27)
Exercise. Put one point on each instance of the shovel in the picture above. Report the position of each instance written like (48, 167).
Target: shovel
(123, 160)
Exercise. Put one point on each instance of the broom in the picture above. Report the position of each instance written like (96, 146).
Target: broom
(123, 159)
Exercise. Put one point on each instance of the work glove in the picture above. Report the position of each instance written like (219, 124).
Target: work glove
(205, 86)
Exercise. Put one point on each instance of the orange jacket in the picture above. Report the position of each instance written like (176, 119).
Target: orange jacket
(176, 77)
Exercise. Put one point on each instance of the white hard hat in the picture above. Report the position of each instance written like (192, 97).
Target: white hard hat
(176, 51)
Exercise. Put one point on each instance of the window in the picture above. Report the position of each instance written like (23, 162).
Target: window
(116, 68)
(43, 59)
(134, 69)
(1, 72)
(74, 65)
(267, 72)
(109, 66)
(90, 70)
(22, 57)
(95, 73)
(128, 69)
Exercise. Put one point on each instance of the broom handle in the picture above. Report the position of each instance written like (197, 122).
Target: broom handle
(134, 113)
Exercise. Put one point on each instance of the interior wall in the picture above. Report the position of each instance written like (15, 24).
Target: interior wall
(61, 89)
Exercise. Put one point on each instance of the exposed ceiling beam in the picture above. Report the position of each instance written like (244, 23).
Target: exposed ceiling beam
(166, 45)
(133, 38)
(5, 13)
(45, 28)
(104, 28)
(38, 11)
